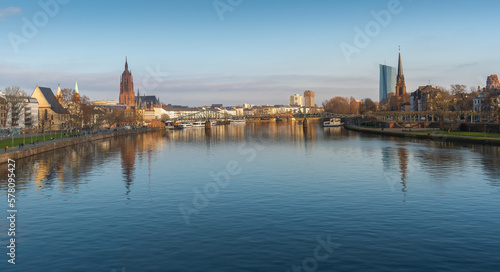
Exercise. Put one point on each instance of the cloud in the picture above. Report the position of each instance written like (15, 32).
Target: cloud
(194, 90)
(9, 12)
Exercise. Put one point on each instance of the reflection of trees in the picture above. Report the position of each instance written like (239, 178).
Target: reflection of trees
(490, 161)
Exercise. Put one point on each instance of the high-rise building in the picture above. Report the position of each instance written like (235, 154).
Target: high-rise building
(127, 95)
(296, 100)
(400, 80)
(309, 98)
(387, 81)
(492, 82)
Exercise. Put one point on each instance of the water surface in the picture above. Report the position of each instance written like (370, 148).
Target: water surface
(260, 197)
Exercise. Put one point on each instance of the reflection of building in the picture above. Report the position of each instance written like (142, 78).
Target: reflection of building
(127, 96)
(296, 100)
(387, 83)
(128, 145)
(309, 98)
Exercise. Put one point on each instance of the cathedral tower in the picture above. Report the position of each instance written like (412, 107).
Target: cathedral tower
(127, 96)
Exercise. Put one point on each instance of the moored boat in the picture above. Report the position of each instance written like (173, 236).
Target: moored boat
(333, 122)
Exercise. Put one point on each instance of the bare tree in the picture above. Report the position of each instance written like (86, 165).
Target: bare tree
(16, 104)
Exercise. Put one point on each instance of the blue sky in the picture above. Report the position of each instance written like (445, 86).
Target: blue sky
(261, 52)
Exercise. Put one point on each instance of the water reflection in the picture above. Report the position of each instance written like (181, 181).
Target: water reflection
(67, 169)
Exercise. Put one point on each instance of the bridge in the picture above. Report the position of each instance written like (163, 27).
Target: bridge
(389, 116)
(207, 114)
(210, 114)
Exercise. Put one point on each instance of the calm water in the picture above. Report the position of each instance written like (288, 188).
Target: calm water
(257, 198)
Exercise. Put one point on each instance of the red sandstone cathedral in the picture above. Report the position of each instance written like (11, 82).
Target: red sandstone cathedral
(127, 95)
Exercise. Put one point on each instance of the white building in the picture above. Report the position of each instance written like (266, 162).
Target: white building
(22, 113)
(296, 100)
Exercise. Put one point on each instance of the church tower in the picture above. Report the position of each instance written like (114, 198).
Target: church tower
(76, 94)
(59, 94)
(127, 96)
(400, 80)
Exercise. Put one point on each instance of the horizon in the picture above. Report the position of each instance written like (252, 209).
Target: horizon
(201, 53)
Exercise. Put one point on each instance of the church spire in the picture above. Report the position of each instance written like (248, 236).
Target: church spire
(126, 64)
(400, 65)
(76, 87)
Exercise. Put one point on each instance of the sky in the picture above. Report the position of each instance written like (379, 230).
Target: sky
(202, 52)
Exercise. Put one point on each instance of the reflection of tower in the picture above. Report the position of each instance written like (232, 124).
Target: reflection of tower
(128, 162)
(403, 166)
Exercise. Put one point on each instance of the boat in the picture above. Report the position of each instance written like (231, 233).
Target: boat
(185, 125)
(238, 122)
(199, 124)
(333, 122)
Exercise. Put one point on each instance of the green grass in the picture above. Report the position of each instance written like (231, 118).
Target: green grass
(27, 140)
(460, 133)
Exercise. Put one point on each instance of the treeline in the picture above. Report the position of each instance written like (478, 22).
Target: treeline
(349, 105)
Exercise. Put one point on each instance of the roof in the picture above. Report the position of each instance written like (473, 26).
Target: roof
(51, 99)
(148, 98)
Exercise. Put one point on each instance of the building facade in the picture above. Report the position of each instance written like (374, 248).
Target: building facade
(51, 114)
(309, 99)
(492, 82)
(421, 99)
(387, 84)
(296, 100)
(127, 95)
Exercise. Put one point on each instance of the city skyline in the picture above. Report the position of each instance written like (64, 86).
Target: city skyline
(198, 53)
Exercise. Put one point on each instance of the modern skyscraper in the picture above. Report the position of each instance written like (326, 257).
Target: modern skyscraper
(309, 98)
(400, 80)
(127, 95)
(387, 81)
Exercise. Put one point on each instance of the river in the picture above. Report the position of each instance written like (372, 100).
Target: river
(257, 197)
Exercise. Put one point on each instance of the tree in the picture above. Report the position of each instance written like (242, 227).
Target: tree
(367, 105)
(337, 104)
(353, 106)
(459, 93)
(67, 94)
(16, 104)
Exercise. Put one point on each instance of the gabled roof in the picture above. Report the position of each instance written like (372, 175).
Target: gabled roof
(52, 101)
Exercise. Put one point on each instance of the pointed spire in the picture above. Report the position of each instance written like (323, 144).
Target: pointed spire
(59, 92)
(400, 65)
(76, 88)
(126, 64)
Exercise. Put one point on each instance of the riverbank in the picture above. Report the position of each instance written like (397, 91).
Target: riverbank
(427, 135)
(30, 150)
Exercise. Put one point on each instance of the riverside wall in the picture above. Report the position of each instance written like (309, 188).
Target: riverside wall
(428, 136)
